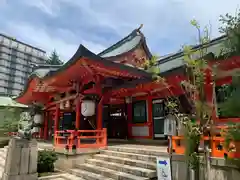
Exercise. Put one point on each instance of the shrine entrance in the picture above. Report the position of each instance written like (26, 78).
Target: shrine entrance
(158, 118)
(115, 121)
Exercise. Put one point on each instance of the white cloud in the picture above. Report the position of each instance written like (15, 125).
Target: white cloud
(40, 38)
(165, 21)
(47, 6)
(96, 48)
(209, 11)
(3, 2)
(157, 16)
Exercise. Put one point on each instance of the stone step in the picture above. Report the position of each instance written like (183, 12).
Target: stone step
(65, 176)
(3, 150)
(2, 161)
(1, 172)
(137, 171)
(71, 177)
(126, 161)
(145, 151)
(141, 157)
(109, 172)
(87, 175)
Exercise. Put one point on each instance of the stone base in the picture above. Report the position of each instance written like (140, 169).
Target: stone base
(21, 161)
(20, 177)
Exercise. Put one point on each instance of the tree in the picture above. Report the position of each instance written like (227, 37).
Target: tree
(11, 116)
(194, 85)
(54, 59)
(231, 28)
(196, 63)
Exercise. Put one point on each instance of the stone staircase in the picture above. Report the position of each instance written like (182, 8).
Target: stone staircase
(125, 162)
(3, 155)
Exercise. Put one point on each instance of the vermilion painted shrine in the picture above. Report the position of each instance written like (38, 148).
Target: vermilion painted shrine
(109, 95)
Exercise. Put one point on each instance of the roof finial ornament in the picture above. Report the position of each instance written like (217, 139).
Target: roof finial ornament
(140, 27)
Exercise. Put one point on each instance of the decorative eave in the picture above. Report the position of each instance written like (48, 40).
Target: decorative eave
(126, 41)
(133, 49)
(82, 54)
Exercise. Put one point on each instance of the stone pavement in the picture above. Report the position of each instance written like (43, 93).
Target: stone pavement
(60, 176)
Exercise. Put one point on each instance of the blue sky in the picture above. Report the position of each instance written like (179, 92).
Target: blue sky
(97, 24)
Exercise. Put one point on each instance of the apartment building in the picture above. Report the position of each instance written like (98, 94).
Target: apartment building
(16, 63)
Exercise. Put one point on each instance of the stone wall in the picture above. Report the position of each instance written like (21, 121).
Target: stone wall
(65, 162)
(219, 170)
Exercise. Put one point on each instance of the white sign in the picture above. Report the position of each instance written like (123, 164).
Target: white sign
(164, 168)
(170, 126)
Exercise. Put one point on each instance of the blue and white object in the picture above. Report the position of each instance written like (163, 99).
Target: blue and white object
(164, 168)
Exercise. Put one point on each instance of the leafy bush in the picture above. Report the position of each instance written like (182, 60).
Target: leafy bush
(232, 134)
(4, 142)
(10, 119)
(46, 160)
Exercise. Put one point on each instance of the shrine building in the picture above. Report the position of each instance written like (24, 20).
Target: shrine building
(95, 97)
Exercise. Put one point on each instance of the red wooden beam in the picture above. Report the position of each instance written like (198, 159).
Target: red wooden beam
(62, 100)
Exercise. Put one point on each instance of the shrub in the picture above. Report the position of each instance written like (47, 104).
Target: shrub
(46, 160)
(4, 142)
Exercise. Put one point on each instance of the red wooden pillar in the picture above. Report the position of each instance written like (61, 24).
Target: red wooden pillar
(50, 123)
(46, 119)
(41, 133)
(129, 118)
(56, 118)
(78, 113)
(150, 115)
(100, 114)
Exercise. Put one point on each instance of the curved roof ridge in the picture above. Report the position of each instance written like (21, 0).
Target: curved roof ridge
(119, 43)
(82, 51)
(46, 72)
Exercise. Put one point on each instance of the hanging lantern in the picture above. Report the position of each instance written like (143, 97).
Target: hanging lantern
(88, 108)
(67, 105)
(128, 100)
(35, 130)
(38, 119)
(62, 105)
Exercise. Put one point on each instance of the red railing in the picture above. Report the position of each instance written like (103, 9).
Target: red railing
(71, 139)
(217, 144)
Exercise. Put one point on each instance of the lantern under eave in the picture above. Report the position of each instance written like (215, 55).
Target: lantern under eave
(67, 105)
(88, 108)
(62, 105)
(128, 100)
(38, 119)
(35, 130)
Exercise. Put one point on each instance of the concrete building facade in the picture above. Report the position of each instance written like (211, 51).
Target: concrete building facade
(16, 64)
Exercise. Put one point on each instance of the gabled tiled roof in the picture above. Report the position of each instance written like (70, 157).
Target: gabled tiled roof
(47, 72)
(9, 102)
(127, 44)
